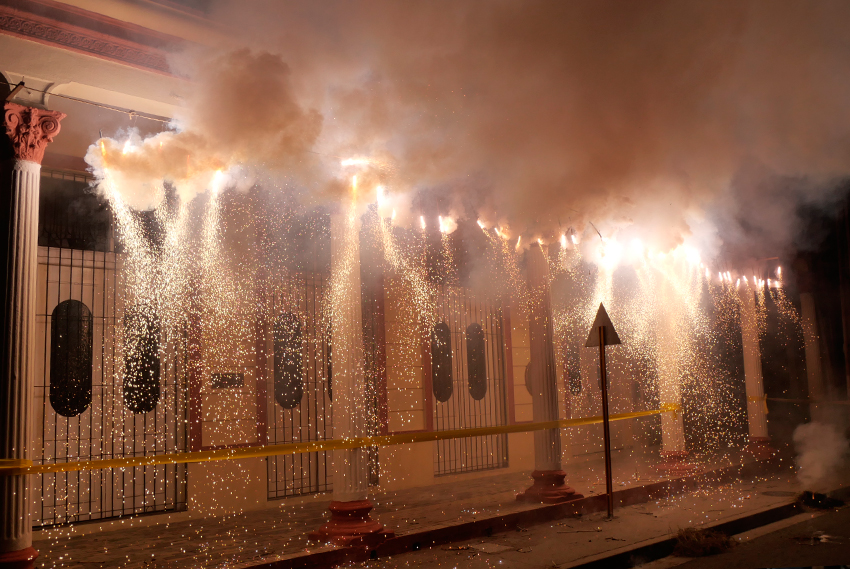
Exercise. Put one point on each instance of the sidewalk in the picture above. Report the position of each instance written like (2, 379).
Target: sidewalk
(277, 536)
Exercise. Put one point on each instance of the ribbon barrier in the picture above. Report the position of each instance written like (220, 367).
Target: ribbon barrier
(11, 467)
(756, 399)
(807, 401)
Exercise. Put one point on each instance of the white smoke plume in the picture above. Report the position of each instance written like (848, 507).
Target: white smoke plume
(821, 452)
(669, 120)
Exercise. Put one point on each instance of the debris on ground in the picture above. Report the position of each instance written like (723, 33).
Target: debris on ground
(490, 547)
(580, 530)
(692, 542)
(614, 539)
(819, 501)
(816, 538)
(455, 548)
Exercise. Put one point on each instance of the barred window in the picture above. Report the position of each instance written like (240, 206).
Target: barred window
(476, 361)
(141, 359)
(288, 364)
(70, 358)
(441, 362)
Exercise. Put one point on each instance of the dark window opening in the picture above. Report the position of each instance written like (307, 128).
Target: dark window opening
(288, 365)
(70, 358)
(141, 359)
(476, 361)
(441, 362)
(71, 214)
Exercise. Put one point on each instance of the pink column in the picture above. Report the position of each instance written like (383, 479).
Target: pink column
(549, 486)
(29, 130)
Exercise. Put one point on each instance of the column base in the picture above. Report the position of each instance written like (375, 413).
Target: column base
(20, 559)
(350, 525)
(548, 488)
(760, 448)
(674, 463)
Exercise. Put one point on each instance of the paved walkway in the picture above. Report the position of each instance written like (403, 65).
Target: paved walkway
(281, 531)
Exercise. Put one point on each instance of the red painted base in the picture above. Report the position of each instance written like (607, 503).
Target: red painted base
(549, 488)
(760, 448)
(21, 559)
(674, 463)
(350, 525)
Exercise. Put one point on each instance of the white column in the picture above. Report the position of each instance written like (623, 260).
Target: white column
(669, 381)
(350, 480)
(18, 381)
(756, 403)
(544, 390)
(29, 131)
(814, 372)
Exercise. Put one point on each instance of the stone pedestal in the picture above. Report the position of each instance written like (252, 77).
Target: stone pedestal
(759, 444)
(29, 131)
(350, 523)
(548, 486)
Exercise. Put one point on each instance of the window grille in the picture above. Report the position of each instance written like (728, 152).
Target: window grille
(299, 354)
(77, 261)
(475, 326)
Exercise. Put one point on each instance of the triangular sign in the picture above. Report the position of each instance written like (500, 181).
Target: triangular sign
(602, 319)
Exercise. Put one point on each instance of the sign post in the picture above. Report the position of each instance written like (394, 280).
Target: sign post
(602, 333)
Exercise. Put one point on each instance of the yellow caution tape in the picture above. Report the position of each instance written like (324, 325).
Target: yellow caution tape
(756, 399)
(314, 446)
(815, 401)
(14, 463)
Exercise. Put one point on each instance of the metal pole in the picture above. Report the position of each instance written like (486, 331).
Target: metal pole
(609, 486)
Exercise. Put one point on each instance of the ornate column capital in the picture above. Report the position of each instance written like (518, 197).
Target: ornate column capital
(30, 129)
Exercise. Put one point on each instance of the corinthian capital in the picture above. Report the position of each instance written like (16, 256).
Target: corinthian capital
(30, 130)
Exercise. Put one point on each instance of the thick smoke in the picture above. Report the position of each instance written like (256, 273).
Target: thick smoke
(665, 120)
(240, 111)
(821, 454)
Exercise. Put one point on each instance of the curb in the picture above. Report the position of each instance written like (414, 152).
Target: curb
(659, 548)
(329, 556)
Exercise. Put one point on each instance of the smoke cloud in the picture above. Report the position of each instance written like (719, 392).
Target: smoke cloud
(821, 452)
(669, 120)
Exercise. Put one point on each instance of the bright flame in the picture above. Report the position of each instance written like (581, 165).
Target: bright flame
(355, 162)
(422, 221)
(563, 240)
(574, 239)
(126, 147)
(380, 194)
(217, 181)
(779, 272)
(392, 218)
(518, 241)
(481, 225)
(540, 241)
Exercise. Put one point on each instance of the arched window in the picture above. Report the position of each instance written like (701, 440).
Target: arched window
(528, 378)
(476, 361)
(288, 369)
(141, 359)
(441, 361)
(70, 358)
